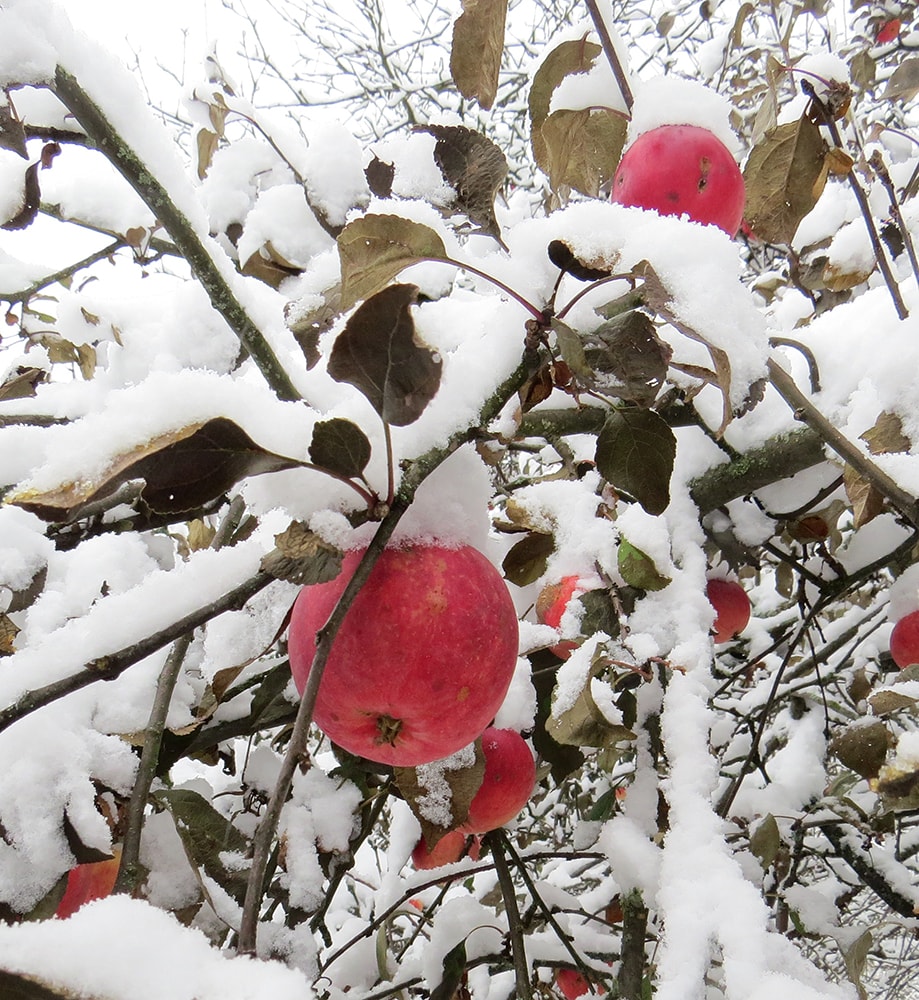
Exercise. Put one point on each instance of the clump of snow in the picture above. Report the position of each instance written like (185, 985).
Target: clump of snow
(334, 172)
(672, 100)
(435, 803)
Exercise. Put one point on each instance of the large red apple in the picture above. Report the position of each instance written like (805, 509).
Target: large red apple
(677, 169)
(507, 784)
(550, 606)
(423, 659)
(904, 640)
(93, 880)
(732, 608)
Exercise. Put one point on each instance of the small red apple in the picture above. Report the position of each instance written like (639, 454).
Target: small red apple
(510, 775)
(732, 608)
(572, 984)
(423, 659)
(677, 169)
(451, 847)
(904, 640)
(93, 880)
(888, 31)
(550, 606)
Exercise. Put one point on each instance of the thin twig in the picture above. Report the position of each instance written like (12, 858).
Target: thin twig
(880, 168)
(496, 841)
(609, 49)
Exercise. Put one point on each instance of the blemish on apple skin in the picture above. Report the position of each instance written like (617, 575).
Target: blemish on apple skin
(463, 694)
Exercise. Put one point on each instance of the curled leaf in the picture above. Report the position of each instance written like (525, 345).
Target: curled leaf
(300, 556)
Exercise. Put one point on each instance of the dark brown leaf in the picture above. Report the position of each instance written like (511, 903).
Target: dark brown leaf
(478, 44)
(564, 258)
(16, 986)
(380, 176)
(31, 200)
(307, 327)
(375, 248)
(300, 556)
(270, 266)
(628, 358)
(340, 446)
(784, 177)
(181, 470)
(379, 353)
(474, 167)
(12, 133)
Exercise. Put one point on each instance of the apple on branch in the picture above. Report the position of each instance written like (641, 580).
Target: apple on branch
(682, 169)
(508, 782)
(904, 640)
(423, 659)
(571, 984)
(551, 604)
(86, 882)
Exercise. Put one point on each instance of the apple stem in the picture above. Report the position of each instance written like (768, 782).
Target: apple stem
(609, 48)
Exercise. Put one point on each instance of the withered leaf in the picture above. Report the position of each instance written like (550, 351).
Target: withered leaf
(784, 177)
(439, 789)
(537, 388)
(300, 556)
(180, 470)
(862, 748)
(31, 200)
(765, 840)
(379, 353)
(581, 148)
(380, 176)
(474, 167)
(270, 266)
(340, 446)
(903, 84)
(309, 325)
(635, 452)
(21, 382)
(884, 438)
(375, 248)
(8, 632)
(208, 838)
(478, 44)
(206, 142)
(628, 358)
(525, 561)
(583, 724)
(12, 131)
(575, 56)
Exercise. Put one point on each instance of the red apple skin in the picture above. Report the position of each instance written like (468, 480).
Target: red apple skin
(508, 782)
(904, 640)
(572, 984)
(677, 169)
(732, 608)
(94, 880)
(423, 659)
(451, 847)
(550, 606)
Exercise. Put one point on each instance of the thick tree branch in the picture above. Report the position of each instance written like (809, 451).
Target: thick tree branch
(157, 199)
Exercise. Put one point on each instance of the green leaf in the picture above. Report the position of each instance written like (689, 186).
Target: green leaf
(208, 837)
(478, 44)
(454, 969)
(340, 446)
(765, 840)
(375, 248)
(379, 354)
(638, 569)
(572, 351)
(635, 452)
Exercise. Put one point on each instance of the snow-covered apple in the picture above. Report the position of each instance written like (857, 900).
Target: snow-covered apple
(572, 984)
(550, 606)
(904, 640)
(423, 659)
(682, 169)
(92, 880)
(732, 608)
(510, 775)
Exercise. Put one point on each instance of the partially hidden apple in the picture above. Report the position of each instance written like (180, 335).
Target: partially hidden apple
(92, 880)
(423, 659)
(732, 608)
(572, 984)
(452, 846)
(551, 603)
(904, 640)
(682, 169)
(507, 784)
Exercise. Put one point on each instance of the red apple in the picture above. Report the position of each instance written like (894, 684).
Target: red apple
(888, 31)
(732, 608)
(550, 606)
(510, 775)
(677, 169)
(451, 847)
(904, 640)
(423, 659)
(93, 880)
(572, 984)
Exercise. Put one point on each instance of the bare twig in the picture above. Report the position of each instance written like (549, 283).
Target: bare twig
(496, 841)
(609, 49)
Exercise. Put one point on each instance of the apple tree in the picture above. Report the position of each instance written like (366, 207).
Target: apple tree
(541, 376)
